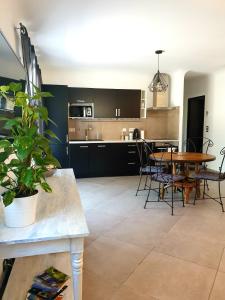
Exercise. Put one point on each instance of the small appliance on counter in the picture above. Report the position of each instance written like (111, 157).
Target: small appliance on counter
(142, 134)
(136, 134)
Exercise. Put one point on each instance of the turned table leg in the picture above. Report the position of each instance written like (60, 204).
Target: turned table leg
(76, 254)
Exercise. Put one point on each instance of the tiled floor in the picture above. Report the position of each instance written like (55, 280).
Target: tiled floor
(137, 254)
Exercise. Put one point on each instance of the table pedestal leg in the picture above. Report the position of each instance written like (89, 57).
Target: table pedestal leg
(197, 170)
(187, 191)
(77, 267)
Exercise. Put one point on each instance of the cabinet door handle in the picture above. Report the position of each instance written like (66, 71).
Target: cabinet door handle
(118, 112)
(131, 152)
(67, 151)
(134, 145)
(83, 146)
(67, 138)
(131, 163)
(101, 146)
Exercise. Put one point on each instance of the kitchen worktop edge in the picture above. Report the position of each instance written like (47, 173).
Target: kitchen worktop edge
(121, 141)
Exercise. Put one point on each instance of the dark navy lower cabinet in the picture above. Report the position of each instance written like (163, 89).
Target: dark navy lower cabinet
(79, 159)
(104, 159)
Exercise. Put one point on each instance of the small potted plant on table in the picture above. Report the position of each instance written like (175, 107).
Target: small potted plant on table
(24, 156)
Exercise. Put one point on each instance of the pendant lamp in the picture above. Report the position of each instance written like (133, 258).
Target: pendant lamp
(159, 83)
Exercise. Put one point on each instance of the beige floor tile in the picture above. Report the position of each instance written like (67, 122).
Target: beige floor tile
(124, 204)
(98, 222)
(96, 288)
(123, 233)
(168, 278)
(222, 263)
(136, 233)
(200, 251)
(204, 208)
(127, 293)
(88, 240)
(112, 260)
(207, 227)
(218, 292)
(145, 231)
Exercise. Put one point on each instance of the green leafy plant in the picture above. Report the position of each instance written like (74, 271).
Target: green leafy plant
(26, 154)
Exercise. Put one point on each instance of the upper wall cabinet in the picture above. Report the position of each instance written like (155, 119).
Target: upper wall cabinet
(109, 103)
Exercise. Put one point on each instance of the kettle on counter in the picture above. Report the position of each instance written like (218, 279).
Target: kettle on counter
(136, 134)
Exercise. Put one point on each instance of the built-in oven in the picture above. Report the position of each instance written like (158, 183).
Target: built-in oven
(81, 110)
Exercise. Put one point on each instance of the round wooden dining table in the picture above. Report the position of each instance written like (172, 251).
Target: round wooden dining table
(184, 158)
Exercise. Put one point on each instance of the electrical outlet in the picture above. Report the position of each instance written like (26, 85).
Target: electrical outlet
(207, 128)
(71, 129)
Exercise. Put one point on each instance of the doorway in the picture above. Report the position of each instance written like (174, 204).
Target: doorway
(195, 122)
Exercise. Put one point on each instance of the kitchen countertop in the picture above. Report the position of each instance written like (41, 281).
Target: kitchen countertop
(120, 141)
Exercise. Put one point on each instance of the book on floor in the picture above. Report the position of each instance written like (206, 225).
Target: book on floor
(48, 285)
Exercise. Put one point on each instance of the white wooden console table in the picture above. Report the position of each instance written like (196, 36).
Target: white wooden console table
(60, 227)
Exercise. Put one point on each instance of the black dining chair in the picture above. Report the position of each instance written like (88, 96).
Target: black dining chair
(211, 175)
(198, 144)
(146, 164)
(165, 179)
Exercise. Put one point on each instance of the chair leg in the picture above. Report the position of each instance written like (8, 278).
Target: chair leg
(183, 195)
(139, 184)
(196, 186)
(221, 201)
(149, 190)
(146, 178)
(159, 194)
(204, 185)
(172, 201)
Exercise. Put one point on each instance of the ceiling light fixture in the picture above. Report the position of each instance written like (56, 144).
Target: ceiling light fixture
(159, 83)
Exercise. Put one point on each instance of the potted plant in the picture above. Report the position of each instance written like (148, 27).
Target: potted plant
(24, 156)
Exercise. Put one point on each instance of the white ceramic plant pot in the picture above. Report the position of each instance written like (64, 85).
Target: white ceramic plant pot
(22, 212)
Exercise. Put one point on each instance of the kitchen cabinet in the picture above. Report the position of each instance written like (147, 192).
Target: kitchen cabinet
(61, 152)
(128, 103)
(109, 103)
(79, 159)
(58, 111)
(100, 160)
(104, 159)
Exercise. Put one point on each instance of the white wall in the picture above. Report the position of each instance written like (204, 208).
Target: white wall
(176, 97)
(213, 87)
(99, 78)
(10, 17)
(194, 87)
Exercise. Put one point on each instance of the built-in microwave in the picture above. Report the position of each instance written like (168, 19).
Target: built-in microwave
(81, 110)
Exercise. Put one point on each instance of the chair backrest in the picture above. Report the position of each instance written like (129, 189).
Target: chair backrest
(189, 145)
(222, 152)
(198, 144)
(144, 151)
(158, 164)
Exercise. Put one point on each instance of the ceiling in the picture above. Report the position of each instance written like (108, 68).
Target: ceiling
(125, 33)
